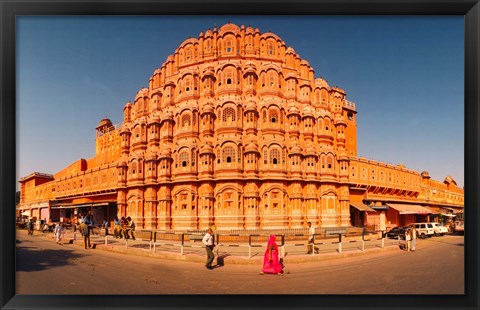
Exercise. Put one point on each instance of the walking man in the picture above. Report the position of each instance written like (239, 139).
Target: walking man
(311, 238)
(408, 239)
(116, 228)
(209, 245)
(413, 236)
(58, 232)
(30, 227)
(85, 230)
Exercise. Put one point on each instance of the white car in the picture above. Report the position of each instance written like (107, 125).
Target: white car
(424, 230)
(439, 230)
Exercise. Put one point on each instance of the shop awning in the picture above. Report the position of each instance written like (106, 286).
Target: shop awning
(361, 207)
(34, 206)
(448, 215)
(97, 204)
(409, 209)
(63, 207)
(379, 208)
(432, 211)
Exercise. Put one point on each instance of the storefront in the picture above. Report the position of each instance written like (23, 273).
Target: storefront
(362, 215)
(404, 214)
(38, 212)
(100, 212)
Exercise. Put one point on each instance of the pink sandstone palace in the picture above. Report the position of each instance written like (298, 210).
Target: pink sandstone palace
(235, 131)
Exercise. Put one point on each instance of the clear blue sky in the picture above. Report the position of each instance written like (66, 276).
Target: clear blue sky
(405, 74)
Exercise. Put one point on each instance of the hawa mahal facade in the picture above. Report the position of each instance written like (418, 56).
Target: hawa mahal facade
(235, 131)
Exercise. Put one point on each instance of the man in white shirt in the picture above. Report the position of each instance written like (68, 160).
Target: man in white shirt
(413, 236)
(311, 233)
(209, 245)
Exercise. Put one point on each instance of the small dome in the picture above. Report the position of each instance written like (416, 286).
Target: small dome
(124, 128)
(151, 155)
(290, 50)
(292, 109)
(127, 105)
(448, 180)
(304, 62)
(251, 147)
(425, 174)
(311, 150)
(165, 152)
(339, 121)
(153, 119)
(141, 93)
(206, 149)
(326, 149)
(167, 115)
(250, 67)
(338, 89)
(342, 155)
(104, 122)
(307, 111)
(296, 149)
(251, 105)
(229, 27)
(249, 30)
(321, 83)
(209, 71)
(208, 108)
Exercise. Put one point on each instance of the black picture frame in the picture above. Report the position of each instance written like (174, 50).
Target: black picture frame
(470, 9)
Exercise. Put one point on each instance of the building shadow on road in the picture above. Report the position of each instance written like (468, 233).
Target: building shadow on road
(35, 259)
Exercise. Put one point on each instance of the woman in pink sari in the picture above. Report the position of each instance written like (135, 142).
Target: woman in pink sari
(271, 263)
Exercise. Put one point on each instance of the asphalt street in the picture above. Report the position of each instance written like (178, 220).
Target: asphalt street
(44, 267)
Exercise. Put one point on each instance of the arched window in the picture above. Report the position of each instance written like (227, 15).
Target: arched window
(330, 162)
(228, 46)
(229, 115)
(273, 116)
(193, 157)
(320, 123)
(327, 124)
(274, 156)
(185, 120)
(228, 154)
(184, 159)
(272, 79)
(188, 84)
(188, 54)
(229, 75)
(270, 48)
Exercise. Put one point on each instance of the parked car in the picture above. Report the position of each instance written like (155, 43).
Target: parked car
(395, 232)
(439, 230)
(424, 230)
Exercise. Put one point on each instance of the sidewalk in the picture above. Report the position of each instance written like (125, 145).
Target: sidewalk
(228, 254)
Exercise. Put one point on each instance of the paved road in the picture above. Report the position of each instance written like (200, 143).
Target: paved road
(43, 267)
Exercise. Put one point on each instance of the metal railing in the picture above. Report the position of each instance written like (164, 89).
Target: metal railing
(326, 240)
